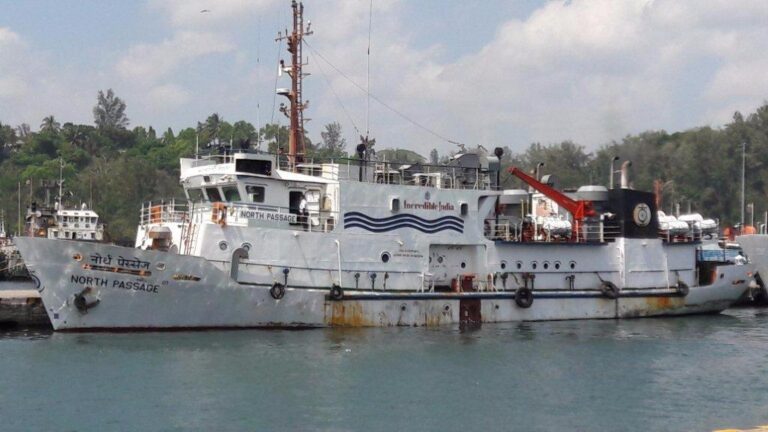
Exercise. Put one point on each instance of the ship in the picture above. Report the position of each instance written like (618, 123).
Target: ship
(53, 220)
(280, 240)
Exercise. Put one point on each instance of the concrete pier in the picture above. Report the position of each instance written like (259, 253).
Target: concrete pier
(22, 308)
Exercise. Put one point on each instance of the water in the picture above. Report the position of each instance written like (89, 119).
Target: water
(694, 373)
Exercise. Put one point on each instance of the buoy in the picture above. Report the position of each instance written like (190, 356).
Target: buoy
(277, 291)
(609, 290)
(336, 292)
(524, 297)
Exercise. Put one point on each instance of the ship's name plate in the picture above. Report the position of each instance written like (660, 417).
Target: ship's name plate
(269, 216)
(91, 281)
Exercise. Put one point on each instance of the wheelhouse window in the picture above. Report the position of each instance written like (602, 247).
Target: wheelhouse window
(231, 194)
(256, 193)
(195, 195)
(254, 166)
(213, 194)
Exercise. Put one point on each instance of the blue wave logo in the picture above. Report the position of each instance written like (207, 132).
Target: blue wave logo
(360, 220)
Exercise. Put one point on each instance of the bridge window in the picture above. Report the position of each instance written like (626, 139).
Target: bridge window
(213, 194)
(263, 167)
(195, 195)
(256, 193)
(231, 194)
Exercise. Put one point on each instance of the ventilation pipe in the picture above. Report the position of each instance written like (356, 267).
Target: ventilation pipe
(625, 174)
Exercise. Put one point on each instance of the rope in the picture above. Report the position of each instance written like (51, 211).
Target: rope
(374, 97)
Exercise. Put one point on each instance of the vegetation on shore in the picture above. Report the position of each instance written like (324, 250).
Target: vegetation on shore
(117, 168)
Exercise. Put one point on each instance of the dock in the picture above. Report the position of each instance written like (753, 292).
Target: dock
(22, 308)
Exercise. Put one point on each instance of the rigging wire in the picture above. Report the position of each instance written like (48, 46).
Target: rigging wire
(368, 83)
(338, 99)
(384, 104)
(277, 76)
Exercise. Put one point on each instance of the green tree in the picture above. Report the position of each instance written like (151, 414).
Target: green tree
(109, 112)
(50, 125)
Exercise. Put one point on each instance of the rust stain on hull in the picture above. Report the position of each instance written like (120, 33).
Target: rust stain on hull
(665, 303)
(348, 314)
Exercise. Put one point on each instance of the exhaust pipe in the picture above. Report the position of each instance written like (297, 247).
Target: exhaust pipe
(625, 174)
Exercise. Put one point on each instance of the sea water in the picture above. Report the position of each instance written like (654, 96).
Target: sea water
(694, 373)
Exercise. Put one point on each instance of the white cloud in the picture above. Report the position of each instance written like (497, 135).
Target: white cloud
(151, 62)
(198, 14)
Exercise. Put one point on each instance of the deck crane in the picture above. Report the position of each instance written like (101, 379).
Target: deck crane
(579, 209)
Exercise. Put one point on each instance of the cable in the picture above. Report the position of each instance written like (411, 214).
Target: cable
(384, 104)
(338, 99)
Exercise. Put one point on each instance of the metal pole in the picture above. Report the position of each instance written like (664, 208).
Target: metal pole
(18, 224)
(743, 178)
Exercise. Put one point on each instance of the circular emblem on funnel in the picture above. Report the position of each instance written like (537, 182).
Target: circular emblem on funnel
(642, 214)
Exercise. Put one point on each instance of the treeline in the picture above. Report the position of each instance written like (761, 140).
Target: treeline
(117, 167)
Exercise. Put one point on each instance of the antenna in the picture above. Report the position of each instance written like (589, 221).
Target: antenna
(294, 95)
(368, 72)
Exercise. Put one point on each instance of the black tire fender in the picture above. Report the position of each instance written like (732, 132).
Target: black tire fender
(524, 297)
(337, 293)
(609, 289)
(682, 288)
(277, 291)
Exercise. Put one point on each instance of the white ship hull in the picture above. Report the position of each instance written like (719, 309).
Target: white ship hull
(158, 298)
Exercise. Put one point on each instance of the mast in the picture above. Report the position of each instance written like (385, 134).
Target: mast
(297, 106)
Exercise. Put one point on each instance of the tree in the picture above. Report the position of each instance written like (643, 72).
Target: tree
(434, 157)
(23, 131)
(109, 112)
(212, 127)
(50, 125)
(333, 142)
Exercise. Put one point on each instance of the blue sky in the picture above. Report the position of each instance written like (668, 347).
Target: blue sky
(481, 72)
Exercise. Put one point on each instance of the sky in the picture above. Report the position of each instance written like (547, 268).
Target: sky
(490, 72)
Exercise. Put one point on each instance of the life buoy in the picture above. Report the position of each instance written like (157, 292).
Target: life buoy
(609, 290)
(682, 288)
(336, 292)
(219, 213)
(277, 291)
(524, 297)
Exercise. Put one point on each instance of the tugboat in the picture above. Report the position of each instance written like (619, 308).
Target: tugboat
(279, 241)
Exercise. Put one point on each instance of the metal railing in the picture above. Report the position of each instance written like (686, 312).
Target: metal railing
(163, 212)
(237, 214)
(374, 171)
(516, 232)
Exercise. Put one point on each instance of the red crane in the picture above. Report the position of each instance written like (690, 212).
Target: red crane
(579, 209)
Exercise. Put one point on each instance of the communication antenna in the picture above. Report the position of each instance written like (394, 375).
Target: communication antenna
(297, 106)
(368, 78)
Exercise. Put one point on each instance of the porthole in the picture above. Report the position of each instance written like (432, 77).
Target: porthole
(503, 265)
(534, 265)
(246, 247)
(446, 308)
(430, 260)
(557, 265)
(546, 265)
(573, 265)
(385, 257)
(223, 245)
(463, 264)
(439, 260)
(519, 265)
(160, 266)
(403, 307)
